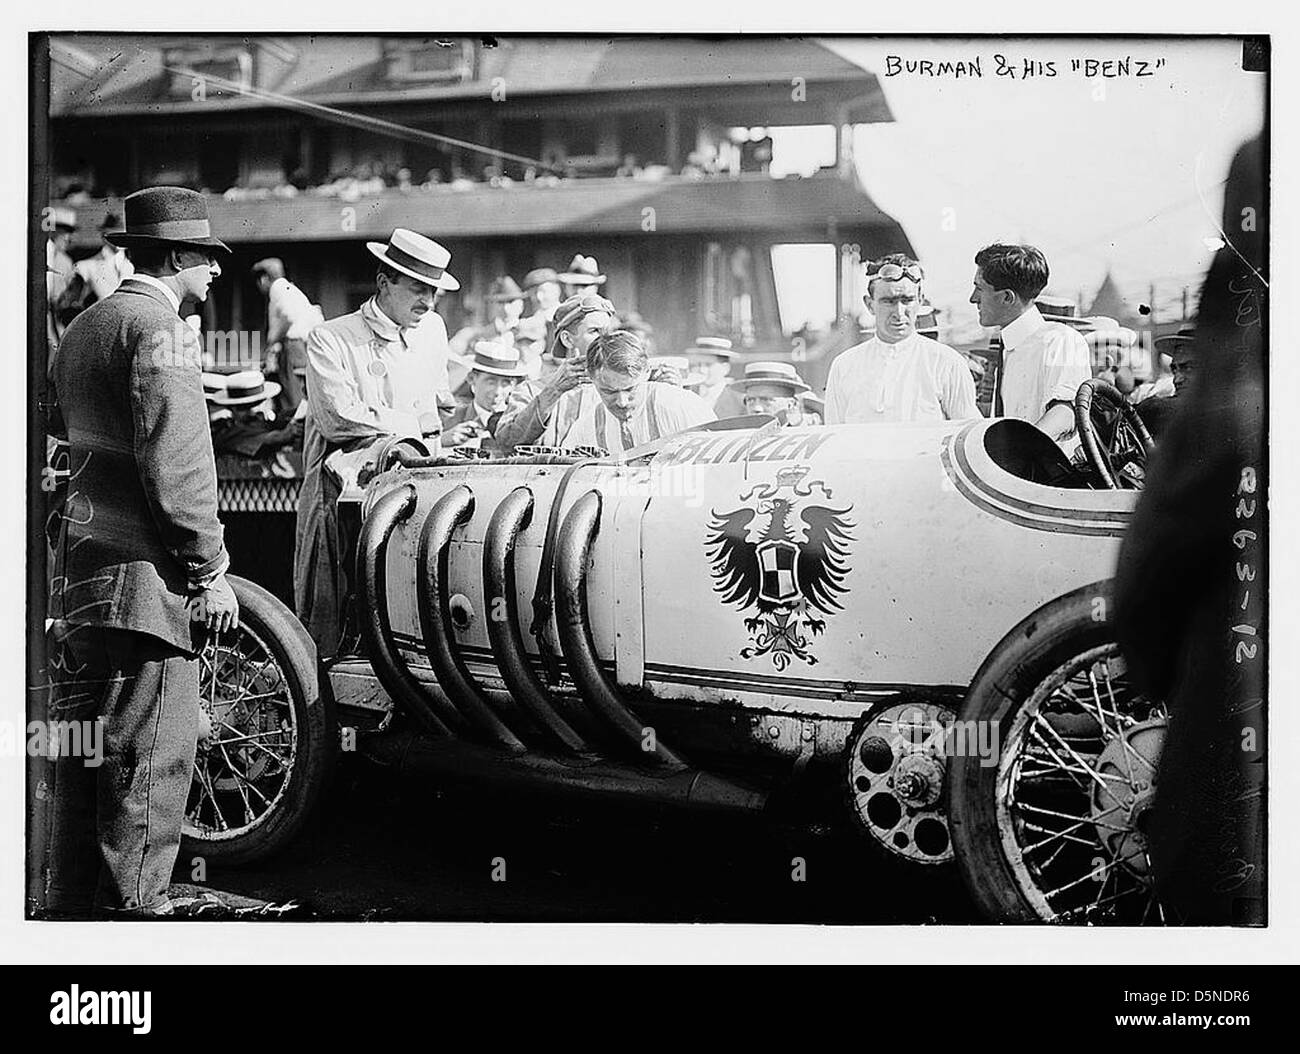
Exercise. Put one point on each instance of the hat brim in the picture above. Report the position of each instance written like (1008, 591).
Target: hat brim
(270, 390)
(569, 278)
(518, 372)
(447, 281)
(796, 387)
(126, 240)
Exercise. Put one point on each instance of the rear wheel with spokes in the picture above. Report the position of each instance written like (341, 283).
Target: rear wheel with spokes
(1056, 829)
(261, 768)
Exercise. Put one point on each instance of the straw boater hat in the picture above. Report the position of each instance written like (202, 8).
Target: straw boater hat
(781, 374)
(718, 347)
(415, 255)
(1118, 337)
(540, 276)
(504, 289)
(583, 271)
(246, 389)
(161, 216)
(213, 384)
(491, 357)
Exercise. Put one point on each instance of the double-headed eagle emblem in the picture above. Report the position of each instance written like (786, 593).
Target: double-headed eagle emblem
(784, 553)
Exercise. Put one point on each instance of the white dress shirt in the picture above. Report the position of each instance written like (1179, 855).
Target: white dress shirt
(917, 379)
(1042, 362)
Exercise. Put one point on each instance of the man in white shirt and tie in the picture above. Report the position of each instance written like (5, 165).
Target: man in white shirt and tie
(379, 371)
(1043, 363)
(898, 375)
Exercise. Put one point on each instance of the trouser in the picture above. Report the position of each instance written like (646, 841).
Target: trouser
(116, 824)
(292, 370)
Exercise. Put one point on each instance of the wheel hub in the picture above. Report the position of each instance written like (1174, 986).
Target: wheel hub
(896, 770)
(1128, 768)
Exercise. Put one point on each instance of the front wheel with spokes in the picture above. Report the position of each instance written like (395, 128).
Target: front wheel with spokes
(269, 740)
(1054, 828)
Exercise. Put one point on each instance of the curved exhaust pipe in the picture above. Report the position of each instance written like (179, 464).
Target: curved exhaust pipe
(510, 517)
(573, 551)
(450, 511)
(398, 681)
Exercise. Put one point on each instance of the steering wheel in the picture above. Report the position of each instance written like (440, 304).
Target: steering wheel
(1100, 408)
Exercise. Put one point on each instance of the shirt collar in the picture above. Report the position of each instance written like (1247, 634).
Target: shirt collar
(384, 327)
(171, 296)
(1016, 333)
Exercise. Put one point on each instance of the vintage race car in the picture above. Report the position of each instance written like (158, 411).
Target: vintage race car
(923, 611)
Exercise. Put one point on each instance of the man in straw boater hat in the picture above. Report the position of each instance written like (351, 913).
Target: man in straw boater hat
(139, 565)
(712, 357)
(379, 371)
(494, 371)
(898, 374)
(772, 388)
(243, 419)
(578, 321)
(1043, 362)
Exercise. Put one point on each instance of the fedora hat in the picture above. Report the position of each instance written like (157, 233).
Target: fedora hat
(583, 271)
(779, 373)
(416, 256)
(166, 216)
(540, 276)
(718, 347)
(245, 389)
(491, 357)
(1186, 335)
(504, 289)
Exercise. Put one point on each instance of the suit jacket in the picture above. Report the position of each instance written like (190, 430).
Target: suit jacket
(140, 528)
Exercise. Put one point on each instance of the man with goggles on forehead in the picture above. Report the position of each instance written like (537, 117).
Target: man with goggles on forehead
(578, 321)
(898, 375)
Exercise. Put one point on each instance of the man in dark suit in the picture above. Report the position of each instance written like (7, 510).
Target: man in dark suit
(139, 575)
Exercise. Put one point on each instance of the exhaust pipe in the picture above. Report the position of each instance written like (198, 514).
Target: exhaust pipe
(573, 551)
(450, 511)
(398, 681)
(510, 517)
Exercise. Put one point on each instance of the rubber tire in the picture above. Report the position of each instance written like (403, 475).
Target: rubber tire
(1042, 642)
(294, 650)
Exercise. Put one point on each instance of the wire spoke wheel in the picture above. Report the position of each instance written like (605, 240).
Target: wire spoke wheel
(241, 769)
(267, 738)
(1077, 782)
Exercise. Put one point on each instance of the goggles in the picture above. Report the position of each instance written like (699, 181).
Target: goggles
(892, 272)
